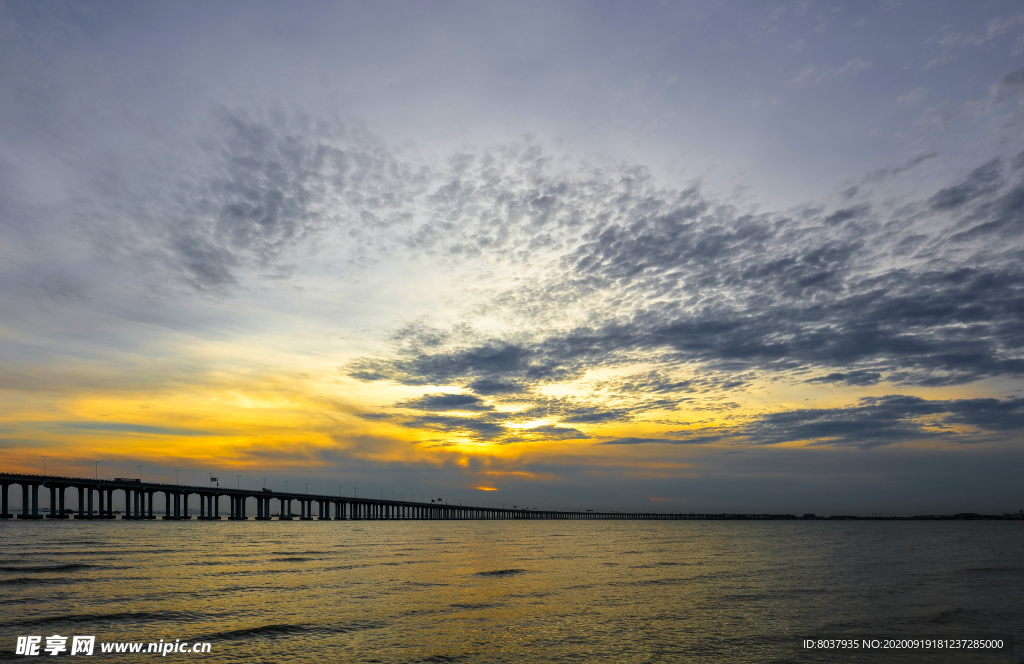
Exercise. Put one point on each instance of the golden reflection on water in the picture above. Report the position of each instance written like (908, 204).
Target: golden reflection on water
(469, 591)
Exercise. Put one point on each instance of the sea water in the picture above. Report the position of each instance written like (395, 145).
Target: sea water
(514, 591)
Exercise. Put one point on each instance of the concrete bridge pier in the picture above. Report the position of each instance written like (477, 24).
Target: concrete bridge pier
(174, 507)
(238, 509)
(149, 505)
(170, 506)
(263, 508)
(209, 507)
(139, 504)
(84, 504)
(56, 502)
(30, 508)
(4, 511)
(205, 513)
(131, 505)
(101, 504)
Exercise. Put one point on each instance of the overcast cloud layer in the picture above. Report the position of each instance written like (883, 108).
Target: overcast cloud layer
(520, 247)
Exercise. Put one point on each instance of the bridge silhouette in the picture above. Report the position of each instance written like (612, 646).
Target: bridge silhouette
(96, 498)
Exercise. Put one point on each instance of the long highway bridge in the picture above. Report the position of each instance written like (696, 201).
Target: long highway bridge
(96, 500)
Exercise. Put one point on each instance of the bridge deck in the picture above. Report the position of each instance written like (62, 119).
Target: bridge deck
(95, 501)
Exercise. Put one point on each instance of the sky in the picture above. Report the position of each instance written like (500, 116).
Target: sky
(659, 256)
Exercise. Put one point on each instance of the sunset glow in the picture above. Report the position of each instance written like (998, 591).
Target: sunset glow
(784, 277)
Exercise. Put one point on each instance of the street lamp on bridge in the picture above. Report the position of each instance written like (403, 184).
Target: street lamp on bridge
(140, 471)
(96, 468)
(44, 464)
(176, 471)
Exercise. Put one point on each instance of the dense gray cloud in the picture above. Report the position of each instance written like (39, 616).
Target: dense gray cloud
(930, 326)
(982, 180)
(488, 428)
(444, 402)
(882, 174)
(694, 440)
(768, 293)
(487, 424)
(277, 183)
(486, 387)
(886, 420)
(873, 422)
(924, 294)
(450, 424)
(547, 432)
(860, 377)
